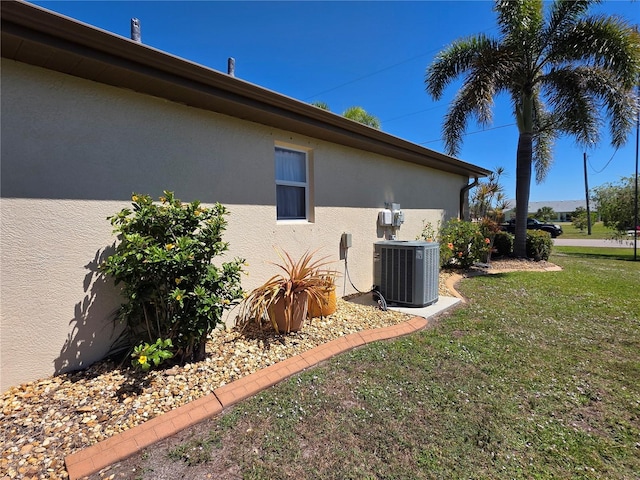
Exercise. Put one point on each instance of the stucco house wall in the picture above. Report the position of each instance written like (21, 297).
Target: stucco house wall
(74, 150)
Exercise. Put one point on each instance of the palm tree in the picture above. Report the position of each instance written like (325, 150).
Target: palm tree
(359, 114)
(545, 214)
(489, 203)
(322, 105)
(565, 72)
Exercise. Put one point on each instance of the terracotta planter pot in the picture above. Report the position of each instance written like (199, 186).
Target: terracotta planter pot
(327, 307)
(298, 313)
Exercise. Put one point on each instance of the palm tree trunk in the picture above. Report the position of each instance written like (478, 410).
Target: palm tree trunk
(523, 187)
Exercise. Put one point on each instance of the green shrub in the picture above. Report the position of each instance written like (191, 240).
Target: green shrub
(429, 233)
(164, 261)
(503, 244)
(462, 244)
(539, 245)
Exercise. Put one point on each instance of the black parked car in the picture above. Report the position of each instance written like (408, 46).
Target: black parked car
(533, 224)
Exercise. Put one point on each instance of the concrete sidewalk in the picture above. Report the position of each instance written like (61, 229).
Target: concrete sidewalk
(579, 242)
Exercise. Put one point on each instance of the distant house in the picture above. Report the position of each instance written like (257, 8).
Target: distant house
(89, 117)
(562, 208)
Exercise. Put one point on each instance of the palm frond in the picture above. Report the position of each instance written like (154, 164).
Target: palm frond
(359, 114)
(622, 115)
(518, 15)
(488, 76)
(564, 15)
(583, 97)
(601, 41)
(543, 153)
(520, 23)
(545, 135)
(455, 60)
(460, 111)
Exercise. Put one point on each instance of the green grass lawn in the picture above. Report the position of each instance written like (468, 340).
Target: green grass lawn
(537, 377)
(597, 252)
(598, 231)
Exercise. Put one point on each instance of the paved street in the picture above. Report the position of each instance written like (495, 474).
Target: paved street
(570, 242)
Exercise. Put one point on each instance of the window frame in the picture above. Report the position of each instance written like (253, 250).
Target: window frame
(290, 183)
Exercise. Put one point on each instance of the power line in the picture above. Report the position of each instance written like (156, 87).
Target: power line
(472, 133)
(606, 165)
(413, 113)
(383, 69)
(397, 65)
(369, 75)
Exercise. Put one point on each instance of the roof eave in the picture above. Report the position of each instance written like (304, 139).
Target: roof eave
(39, 37)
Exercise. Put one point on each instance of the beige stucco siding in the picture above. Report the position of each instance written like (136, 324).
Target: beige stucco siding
(55, 310)
(73, 151)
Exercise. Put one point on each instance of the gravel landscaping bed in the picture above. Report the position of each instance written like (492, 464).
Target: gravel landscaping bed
(43, 421)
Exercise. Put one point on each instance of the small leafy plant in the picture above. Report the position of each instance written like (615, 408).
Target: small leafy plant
(164, 261)
(429, 232)
(145, 355)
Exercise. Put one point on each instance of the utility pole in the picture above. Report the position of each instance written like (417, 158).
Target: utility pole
(636, 232)
(586, 190)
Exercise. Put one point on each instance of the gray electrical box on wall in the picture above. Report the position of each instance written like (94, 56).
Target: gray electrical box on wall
(345, 241)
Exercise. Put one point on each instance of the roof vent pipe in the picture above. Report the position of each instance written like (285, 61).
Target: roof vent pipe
(135, 30)
(231, 66)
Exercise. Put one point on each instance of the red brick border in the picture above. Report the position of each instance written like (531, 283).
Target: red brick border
(123, 445)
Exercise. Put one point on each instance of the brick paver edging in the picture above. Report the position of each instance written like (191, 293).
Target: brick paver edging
(123, 445)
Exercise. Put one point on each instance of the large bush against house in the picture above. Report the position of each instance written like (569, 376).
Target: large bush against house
(164, 262)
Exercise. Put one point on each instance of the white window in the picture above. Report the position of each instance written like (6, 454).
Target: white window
(292, 184)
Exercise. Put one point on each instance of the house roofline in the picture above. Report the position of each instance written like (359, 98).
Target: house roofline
(36, 36)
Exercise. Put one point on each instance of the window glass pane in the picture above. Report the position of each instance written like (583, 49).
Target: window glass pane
(290, 166)
(290, 201)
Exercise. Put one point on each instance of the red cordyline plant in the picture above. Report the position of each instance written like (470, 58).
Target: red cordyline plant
(306, 275)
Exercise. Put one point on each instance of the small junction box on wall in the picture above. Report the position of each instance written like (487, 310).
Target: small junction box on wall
(345, 241)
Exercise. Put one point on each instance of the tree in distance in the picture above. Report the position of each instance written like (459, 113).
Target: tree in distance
(545, 214)
(355, 113)
(616, 204)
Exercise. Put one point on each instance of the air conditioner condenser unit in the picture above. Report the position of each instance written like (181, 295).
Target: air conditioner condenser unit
(406, 273)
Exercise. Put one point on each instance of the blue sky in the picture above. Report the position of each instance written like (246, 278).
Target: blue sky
(367, 53)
